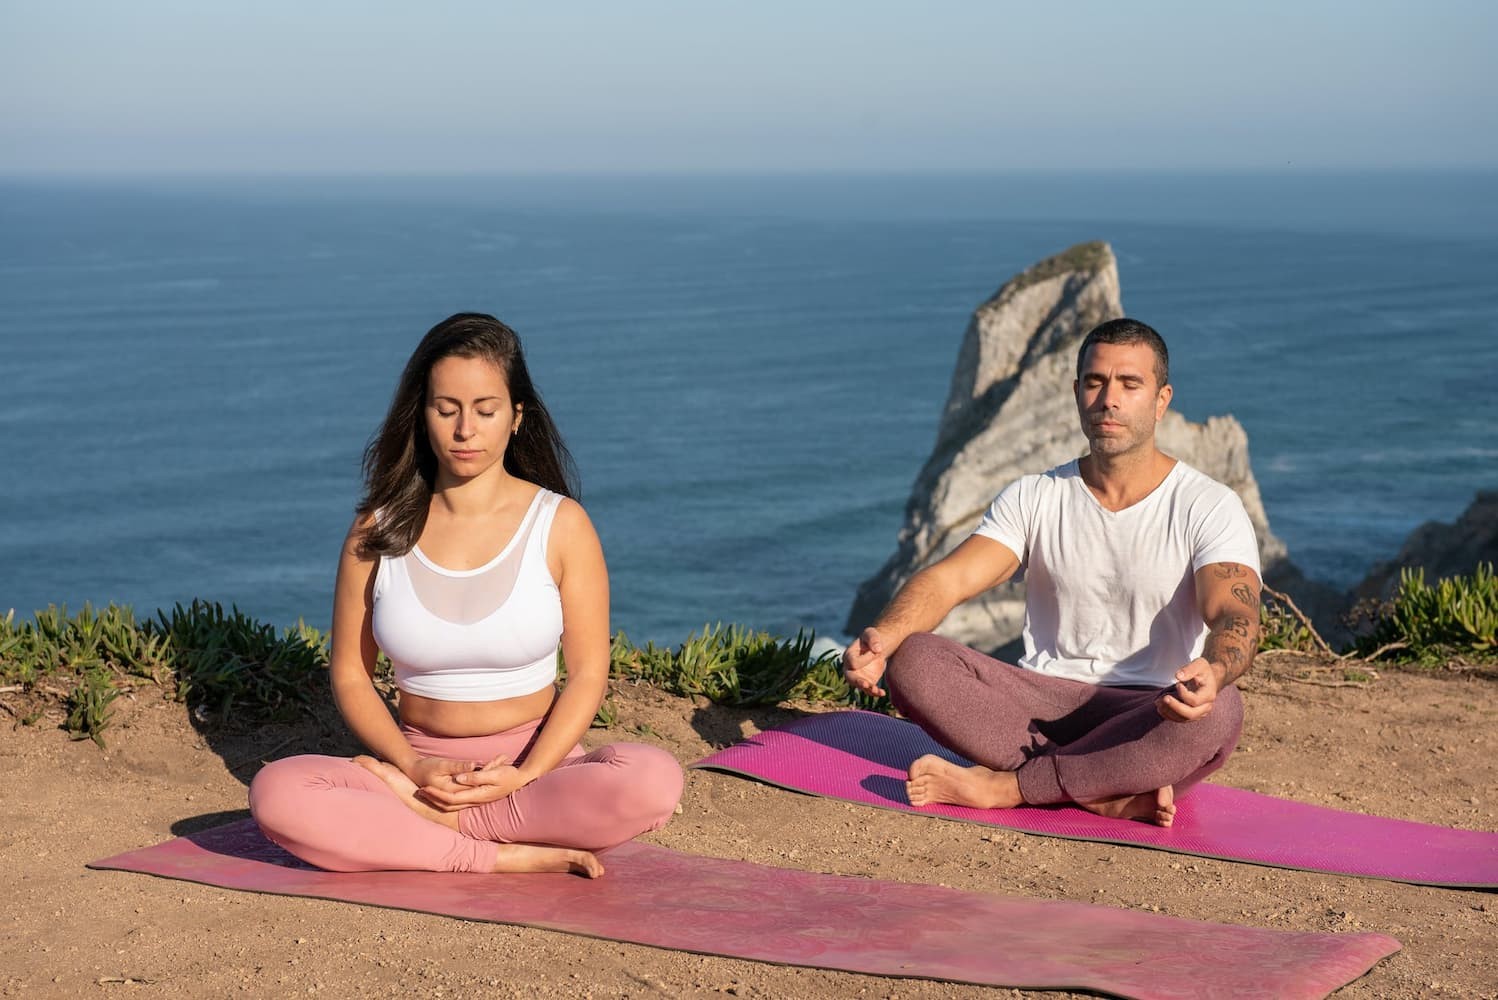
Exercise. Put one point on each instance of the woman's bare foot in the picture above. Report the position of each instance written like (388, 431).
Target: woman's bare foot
(934, 780)
(512, 857)
(531, 858)
(405, 790)
(1157, 807)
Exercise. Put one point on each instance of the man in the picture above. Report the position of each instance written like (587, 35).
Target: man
(1142, 610)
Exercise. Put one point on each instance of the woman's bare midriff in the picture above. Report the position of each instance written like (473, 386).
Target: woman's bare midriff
(474, 718)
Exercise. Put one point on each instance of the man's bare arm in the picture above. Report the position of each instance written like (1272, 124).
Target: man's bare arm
(976, 565)
(1228, 595)
(973, 567)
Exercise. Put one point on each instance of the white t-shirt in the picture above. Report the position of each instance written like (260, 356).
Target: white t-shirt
(1111, 595)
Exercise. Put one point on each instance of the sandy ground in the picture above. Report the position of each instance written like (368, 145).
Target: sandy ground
(1421, 747)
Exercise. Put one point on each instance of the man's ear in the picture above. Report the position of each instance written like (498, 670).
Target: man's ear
(1162, 401)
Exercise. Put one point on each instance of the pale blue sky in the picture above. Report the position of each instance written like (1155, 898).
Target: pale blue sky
(649, 85)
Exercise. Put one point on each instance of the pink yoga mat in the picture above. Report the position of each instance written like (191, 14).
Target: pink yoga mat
(712, 906)
(863, 757)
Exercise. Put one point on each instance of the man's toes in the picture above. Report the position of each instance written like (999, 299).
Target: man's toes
(923, 766)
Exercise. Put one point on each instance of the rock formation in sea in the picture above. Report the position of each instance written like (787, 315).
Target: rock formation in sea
(1441, 550)
(1010, 412)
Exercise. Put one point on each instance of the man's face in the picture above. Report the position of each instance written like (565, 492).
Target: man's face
(1118, 399)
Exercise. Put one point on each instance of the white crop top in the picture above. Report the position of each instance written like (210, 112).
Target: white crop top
(479, 634)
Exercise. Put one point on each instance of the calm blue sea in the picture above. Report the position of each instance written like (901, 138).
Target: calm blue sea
(749, 369)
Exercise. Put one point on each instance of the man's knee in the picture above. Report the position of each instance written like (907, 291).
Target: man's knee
(1215, 735)
(910, 674)
(1228, 709)
(1227, 716)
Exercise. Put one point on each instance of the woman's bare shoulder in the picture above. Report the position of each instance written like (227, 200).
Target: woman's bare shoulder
(358, 532)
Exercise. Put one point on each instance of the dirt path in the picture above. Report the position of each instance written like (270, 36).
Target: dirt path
(1418, 747)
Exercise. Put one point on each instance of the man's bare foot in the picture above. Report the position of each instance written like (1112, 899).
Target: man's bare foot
(532, 858)
(405, 790)
(934, 780)
(1157, 807)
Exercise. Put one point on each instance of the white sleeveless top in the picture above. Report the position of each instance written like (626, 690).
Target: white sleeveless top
(478, 634)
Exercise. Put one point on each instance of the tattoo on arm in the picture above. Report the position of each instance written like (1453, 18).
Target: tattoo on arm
(1226, 571)
(1233, 641)
(1246, 595)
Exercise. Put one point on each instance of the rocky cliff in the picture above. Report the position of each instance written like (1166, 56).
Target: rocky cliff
(1010, 412)
(1441, 550)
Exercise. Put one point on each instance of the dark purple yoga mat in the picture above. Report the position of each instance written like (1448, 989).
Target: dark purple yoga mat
(712, 906)
(863, 757)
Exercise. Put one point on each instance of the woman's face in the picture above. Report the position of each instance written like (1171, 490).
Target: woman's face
(469, 417)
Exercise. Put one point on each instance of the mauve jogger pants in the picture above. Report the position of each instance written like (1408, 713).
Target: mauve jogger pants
(1068, 741)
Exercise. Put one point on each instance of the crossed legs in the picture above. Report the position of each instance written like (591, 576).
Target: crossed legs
(1045, 740)
(361, 815)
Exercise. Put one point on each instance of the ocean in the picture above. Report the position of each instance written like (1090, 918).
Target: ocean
(749, 369)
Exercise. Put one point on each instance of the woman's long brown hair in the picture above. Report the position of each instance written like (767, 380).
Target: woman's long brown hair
(400, 468)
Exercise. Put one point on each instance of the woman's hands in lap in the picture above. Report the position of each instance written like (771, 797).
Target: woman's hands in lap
(464, 785)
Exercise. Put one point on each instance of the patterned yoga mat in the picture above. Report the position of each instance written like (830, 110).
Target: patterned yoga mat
(712, 906)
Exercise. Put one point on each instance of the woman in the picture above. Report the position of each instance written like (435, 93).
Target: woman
(467, 562)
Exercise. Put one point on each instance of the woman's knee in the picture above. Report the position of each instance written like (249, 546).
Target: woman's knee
(661, 783)
(279, 791)
(274, 792)
(650, 784)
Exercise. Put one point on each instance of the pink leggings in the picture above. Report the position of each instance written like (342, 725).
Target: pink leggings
(333, 813)
(1067, 741)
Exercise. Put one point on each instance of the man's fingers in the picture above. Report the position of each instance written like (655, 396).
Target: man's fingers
(858, 680)
(1175, 710)
(1190, 695)
(1198, 691)
(871, 641)
(1194, 670)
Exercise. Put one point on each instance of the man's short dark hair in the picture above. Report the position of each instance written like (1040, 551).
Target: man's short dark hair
(1129, 331)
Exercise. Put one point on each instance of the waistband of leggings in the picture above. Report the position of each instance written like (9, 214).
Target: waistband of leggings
(511, 742)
